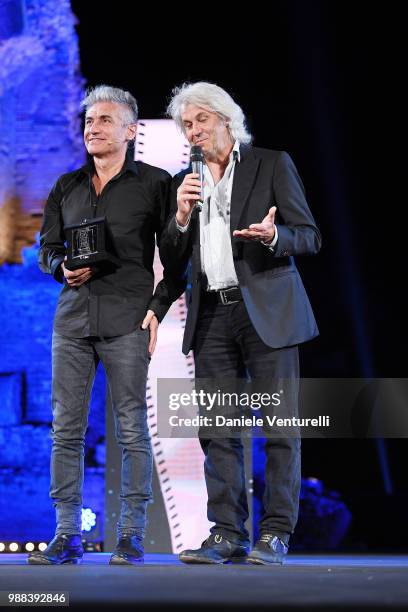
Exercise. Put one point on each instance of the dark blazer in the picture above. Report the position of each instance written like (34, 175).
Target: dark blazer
(270, 283)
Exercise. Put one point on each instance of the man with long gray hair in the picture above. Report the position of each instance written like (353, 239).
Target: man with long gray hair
(248, 308)
(106, 312)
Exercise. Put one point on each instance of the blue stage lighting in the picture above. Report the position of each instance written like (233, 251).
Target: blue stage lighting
(88, 519)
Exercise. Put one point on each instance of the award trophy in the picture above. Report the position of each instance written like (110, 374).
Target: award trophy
(90, 243)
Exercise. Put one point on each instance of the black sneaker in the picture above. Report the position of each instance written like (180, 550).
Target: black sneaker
(268, 550)
(215, 549)
(128, 551)
(63, 548)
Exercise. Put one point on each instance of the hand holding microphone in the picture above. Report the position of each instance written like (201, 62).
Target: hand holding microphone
(197, 166)
(189, 194)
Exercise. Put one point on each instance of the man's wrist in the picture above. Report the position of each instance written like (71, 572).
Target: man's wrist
(270, 244)
(182, 220)
(151, 312)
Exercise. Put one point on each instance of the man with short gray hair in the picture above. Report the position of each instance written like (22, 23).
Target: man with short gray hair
(105, 313)
(248, 308)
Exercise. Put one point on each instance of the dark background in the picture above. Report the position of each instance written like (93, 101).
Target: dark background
(324, 81)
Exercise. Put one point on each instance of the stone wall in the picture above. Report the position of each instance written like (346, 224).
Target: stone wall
(40, 139)
(28, 300)
(40, 91)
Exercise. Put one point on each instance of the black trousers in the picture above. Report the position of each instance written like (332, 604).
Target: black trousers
(228, 346)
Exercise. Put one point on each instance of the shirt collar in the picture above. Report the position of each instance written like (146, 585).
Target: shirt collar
(235, 154)
(129, 164)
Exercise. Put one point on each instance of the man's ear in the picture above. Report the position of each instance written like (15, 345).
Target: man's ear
(131, 131)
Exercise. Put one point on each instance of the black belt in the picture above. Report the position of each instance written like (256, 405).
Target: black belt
(231, 295)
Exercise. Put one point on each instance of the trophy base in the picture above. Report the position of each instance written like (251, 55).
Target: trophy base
(105, 261)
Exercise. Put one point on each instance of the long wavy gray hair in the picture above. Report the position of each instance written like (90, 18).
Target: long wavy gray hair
(213, 98)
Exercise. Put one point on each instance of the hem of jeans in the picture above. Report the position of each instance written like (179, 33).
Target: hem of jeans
(231, 536)
(129, 532)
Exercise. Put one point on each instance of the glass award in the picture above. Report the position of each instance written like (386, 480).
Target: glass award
(90, 243)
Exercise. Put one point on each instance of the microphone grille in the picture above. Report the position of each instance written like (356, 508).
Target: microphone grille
(196, 153)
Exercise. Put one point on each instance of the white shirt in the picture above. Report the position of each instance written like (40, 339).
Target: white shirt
(215, 243)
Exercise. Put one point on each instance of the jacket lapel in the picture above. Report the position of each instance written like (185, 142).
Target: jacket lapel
(244, 178)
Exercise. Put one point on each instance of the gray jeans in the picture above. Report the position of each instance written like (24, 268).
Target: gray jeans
(74, 361)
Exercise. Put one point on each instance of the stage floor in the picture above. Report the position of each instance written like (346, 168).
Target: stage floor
(329, 582)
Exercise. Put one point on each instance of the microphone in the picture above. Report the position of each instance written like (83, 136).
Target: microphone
(197, 165)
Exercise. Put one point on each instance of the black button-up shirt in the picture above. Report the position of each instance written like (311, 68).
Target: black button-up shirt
(134, 203)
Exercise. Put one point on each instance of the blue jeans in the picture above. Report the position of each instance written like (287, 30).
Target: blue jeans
(74, 362)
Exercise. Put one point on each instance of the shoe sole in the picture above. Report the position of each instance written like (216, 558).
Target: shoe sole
(202, 561)
(258, 561)
(43, 561)
(114, 560)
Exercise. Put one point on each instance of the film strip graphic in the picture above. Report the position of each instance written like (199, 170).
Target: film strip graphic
(159, 143)
(159, 452)
(178, 461)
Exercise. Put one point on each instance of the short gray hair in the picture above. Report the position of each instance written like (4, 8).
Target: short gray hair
(215, 99)
(105, 93)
